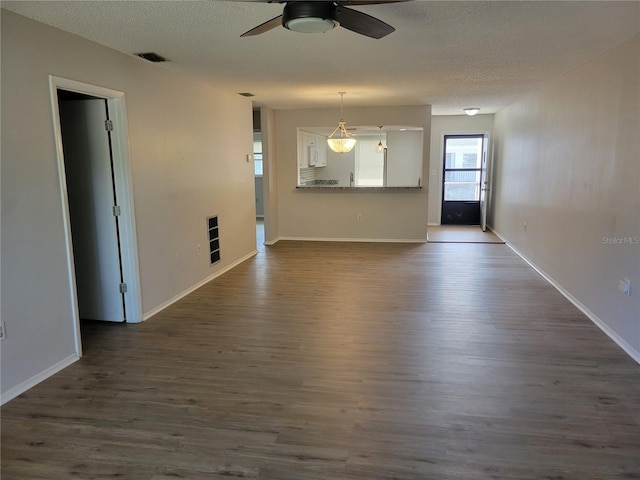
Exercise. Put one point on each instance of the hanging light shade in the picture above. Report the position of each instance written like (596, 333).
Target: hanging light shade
(340, 141)
(380, 147)
(342, 144)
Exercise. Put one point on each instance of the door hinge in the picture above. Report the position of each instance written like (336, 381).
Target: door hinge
(108, 125)
(123, 288)
(116, 211)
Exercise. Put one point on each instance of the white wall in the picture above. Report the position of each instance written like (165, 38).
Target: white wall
(402, 148)
(449, 125)
(188, 145)
(339, 166)
(568, 165)
(399, 215)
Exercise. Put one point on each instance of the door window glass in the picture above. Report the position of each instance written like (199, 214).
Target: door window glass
(462, 169)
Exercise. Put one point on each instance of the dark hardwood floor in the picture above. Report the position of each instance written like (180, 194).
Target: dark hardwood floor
(342, 361)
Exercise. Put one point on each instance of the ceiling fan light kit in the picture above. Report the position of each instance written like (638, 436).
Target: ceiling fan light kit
(309, 17)
(311, 25)
(322, 16)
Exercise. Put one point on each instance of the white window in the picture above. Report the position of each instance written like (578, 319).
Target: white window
(257, 154)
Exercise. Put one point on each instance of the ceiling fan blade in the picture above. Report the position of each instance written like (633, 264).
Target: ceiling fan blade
(339, 2)
(362, 23)
(369, 2)
(265, 27)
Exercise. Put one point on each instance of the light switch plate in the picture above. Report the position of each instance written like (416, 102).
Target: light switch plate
(625, 286)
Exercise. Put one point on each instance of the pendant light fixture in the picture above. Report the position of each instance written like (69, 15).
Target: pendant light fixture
(380, 147)
(343, 142)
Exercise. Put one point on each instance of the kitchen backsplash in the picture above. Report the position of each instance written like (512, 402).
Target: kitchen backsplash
(307, 176)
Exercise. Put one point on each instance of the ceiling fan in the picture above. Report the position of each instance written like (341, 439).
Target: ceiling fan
(321, 16)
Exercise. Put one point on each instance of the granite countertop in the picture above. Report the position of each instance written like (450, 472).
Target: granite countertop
(328, 187)
(321, 183)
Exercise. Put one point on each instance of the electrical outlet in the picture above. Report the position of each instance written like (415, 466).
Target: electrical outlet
(359, 217)
(199, 249)
(3, 331)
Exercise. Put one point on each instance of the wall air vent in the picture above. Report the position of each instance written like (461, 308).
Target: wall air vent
(246, 94)
(214, 240)
(152, 57)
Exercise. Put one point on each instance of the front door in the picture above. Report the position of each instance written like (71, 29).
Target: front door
(91, 195)
(462, 179)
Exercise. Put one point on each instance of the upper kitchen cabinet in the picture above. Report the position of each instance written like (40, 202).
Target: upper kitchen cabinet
(312, 149)
(321, 141)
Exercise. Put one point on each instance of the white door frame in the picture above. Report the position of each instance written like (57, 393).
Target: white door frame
(124, 189)
(439, 165)
(485, 184)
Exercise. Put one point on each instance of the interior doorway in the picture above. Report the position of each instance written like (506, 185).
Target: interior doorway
(93, 206)
(464, 157)
(90, 127)
(259, 168)
(260, 246)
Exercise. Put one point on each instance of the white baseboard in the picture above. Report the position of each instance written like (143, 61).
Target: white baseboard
(507, 243)
(601, 324)
(366, 240)
(186, 292)
(36, 379)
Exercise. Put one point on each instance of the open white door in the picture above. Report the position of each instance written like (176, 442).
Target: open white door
(484, 182)
(91, 196)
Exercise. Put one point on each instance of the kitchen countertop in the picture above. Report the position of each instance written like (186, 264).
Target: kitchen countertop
(342, 188)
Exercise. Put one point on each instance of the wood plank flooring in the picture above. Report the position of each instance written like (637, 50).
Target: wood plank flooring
(342, 361)
(461, 234)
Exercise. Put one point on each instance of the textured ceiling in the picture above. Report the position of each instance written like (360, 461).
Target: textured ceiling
(450, 54)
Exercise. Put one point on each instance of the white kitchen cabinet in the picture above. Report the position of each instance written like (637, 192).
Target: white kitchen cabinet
(303, 149)
(321, 141)
(312, 149)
